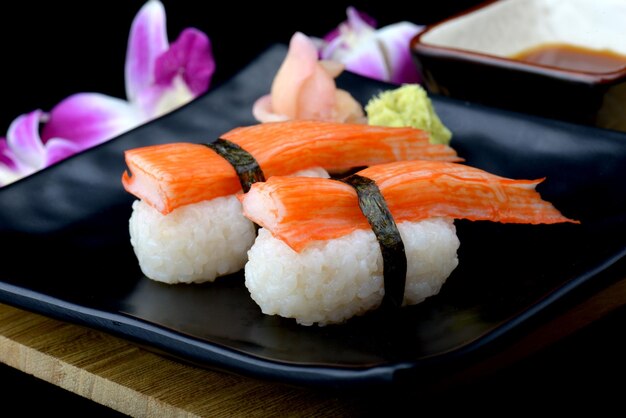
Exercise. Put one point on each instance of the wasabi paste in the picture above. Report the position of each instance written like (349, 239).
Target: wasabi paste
(408, 105)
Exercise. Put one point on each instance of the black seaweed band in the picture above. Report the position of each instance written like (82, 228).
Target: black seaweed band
(374, 207)
(243, 162)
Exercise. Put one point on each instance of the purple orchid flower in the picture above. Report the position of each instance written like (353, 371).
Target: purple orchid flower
(159, 78)
(382, 54)
(23, 152)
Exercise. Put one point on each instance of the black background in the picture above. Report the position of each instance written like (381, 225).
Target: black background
(54, 49)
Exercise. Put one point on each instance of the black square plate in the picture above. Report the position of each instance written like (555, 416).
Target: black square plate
(70, 223)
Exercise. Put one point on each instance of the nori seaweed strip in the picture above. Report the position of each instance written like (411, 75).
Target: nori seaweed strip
(374, 207)
(243, 162)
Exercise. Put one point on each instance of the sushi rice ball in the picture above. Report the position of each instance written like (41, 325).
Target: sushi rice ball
(194, 243)
(333, 280)
(319, 257)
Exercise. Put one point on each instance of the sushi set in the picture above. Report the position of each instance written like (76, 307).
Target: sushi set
(296, 284)
(188, 177)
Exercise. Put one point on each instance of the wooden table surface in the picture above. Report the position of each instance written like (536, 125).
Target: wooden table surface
(137, 382)
(132, 380)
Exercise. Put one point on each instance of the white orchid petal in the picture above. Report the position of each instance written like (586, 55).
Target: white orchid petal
(8, 175)
(10, 167)
(24, 141)
(368, 59)
(88, 119)
(356, 22)
(395, 40)
(382, 54)
(147, 41)
(166, 99)
(58, 149)
(8, 158)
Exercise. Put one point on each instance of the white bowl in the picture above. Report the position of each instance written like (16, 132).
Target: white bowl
(504, 28)
(469, 56)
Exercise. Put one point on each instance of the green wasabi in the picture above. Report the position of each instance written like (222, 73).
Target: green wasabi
(408, 105)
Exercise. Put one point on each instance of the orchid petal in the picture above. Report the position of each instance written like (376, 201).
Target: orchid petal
(88, 119)
(332, 35)
(396, 41)
(190, 56)
(161, 100)
(24, 141)
(7, 157)
(358, 28)
(359, 22)
(356, 19)
(382, 54)
(367, 59)
(147, 41)
(9, 175)
(58, 149)
(332, 49)
(10, 168)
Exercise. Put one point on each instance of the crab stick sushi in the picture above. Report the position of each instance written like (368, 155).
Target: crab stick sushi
(187, 226)
(329, 250)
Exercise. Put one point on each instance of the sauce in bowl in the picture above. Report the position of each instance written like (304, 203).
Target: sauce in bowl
(571, 57)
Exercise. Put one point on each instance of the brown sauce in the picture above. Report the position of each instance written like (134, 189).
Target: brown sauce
(570, 57)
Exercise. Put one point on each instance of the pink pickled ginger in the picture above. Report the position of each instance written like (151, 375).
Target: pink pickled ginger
(304, 88)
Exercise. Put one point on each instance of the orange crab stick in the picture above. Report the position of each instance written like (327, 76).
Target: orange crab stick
(173, 175)
(299, 210)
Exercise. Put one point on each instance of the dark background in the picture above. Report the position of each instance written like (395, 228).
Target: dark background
(54, 49)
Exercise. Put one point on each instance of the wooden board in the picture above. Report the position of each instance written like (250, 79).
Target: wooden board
(129, 379)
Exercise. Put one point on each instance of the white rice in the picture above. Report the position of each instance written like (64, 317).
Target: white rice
(332, 281)
(193, 243)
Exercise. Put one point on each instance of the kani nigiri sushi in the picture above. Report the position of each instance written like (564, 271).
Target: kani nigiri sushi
(329, 250)
(188, 226)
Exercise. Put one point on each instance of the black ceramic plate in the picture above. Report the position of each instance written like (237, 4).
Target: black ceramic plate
(70, 224)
